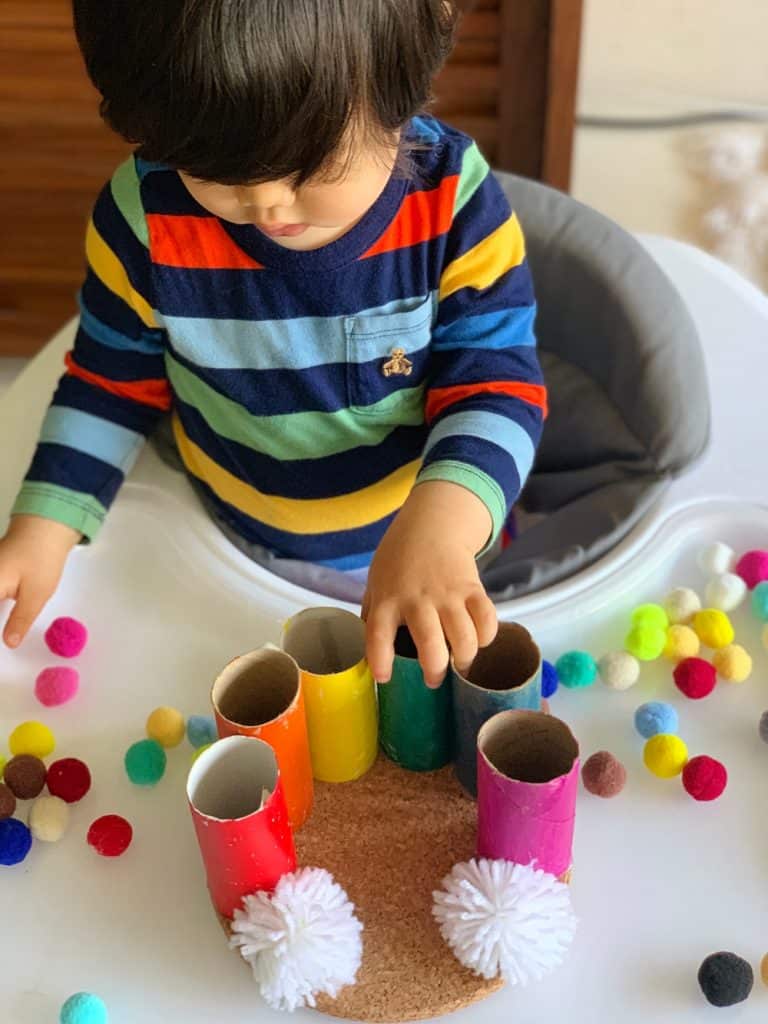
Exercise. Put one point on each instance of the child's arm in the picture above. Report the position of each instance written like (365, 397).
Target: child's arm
(110, 398)
(485, 405)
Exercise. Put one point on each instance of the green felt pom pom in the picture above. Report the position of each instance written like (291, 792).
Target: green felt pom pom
(646, 642)
(576, 669)
(650, 615)
(145, 763)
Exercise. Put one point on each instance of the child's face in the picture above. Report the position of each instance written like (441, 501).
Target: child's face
(306, 216)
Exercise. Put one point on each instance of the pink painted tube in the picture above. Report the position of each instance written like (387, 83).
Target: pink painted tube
(238, 809)
(527, 781)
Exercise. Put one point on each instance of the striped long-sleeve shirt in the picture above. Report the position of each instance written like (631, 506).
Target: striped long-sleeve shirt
(309, 391)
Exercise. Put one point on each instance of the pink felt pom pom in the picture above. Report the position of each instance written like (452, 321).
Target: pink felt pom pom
(66, 637)
(56, 686)
(753, 568)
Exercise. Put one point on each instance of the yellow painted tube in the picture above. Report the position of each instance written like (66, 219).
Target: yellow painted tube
(339, 691)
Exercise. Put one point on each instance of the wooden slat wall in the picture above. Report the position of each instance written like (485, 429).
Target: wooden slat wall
(503, 85)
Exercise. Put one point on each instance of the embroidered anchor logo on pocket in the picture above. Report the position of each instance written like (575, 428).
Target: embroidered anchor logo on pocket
(398, 364)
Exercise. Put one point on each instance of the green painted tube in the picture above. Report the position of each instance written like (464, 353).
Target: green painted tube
(415, 722)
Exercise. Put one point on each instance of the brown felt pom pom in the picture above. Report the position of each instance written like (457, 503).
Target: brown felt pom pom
(7, 801)
(25, 776)
(603, 774)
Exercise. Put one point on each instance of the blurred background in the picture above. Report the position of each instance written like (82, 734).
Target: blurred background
(653, 111)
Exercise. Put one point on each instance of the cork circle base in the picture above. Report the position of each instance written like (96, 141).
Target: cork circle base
(389, 839)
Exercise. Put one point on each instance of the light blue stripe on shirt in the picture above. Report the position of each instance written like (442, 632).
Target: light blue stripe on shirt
(503, 329)
(297, 344)
(488, 426)
(116, 445)
(108, 336)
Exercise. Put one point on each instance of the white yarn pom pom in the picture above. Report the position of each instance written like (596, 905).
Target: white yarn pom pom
(302, 940)
(717, 558)
(506, 919)
(726, 592)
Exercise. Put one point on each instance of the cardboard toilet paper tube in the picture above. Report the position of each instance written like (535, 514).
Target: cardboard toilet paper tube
(246, 845)
(415, 721)
(259, 694)
(505, 674)
(527, 777)
(339, 692)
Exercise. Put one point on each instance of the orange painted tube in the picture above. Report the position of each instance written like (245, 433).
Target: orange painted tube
(260, 695)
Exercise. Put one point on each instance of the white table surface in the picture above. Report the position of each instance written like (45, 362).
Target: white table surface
(660, 881)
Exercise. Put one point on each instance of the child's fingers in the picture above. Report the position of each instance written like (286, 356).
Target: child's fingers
(30, 601)
(427, 632)
(483, 612)
(380, 629)
(461, 634)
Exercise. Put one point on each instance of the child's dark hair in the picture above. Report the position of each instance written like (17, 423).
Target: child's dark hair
(238, 91)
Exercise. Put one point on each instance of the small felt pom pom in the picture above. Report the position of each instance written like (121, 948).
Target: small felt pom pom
(56, 686)
(548, 679)
(713, 628)
(753, 568)
(650, 615)
(25, 776)
(619, 670)
(166, 726)
(576, 669)
(682, 642)
(725, 979)
(302, 940)
(83, 1008)
(110, 835)
(646, 641)
(704, 778)
(695, 678)
(32, 738)
(48, 819)
(145, 763)
(681, 604)
(69, 779)
(726, 592)
(603, 775)
(7, 801)
(762, 727)
(201, 730)
(655, 717)
(505, 919)
(733, 663)
(760, 602)
(665, 755)
(15, 841)
(66, 637)
(715, 559)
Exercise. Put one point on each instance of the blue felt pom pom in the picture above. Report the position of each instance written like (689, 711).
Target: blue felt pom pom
(15, 841)
(760, 601)
(656, 717)
(83, 1008)
(201, 729)
(548, 679)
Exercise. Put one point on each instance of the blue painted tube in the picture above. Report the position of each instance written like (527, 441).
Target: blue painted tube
(504, 676)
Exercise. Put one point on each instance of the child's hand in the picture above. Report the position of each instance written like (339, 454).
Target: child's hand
(32, 557)
(424, 575)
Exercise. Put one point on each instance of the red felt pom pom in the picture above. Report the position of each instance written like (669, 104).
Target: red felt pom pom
(69, 779)
(110, 835)
(704, 778)
(753, 568)
(695, 678)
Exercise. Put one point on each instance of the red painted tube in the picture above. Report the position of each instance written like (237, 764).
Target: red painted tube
(238, 809)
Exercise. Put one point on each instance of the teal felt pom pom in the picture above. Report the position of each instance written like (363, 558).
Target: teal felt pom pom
(201, 730)
(760, 601)
(576, 669)
(145, 762)
(83, 1008)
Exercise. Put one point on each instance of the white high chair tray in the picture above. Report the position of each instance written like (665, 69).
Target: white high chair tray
(660, 881)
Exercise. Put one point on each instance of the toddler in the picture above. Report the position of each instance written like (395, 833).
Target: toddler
(325, 290)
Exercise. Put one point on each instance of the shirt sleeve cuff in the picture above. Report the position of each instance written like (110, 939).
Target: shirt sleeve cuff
(82, 512)
(476, 481)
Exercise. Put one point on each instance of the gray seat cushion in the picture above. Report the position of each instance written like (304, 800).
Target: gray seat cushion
(629, 405)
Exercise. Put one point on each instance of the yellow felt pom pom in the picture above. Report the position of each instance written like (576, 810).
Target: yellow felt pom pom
(713, 628)
(665, 755)
(32, 738)
(166, 726)
(733, 663)
(682, 643)
(3, 762)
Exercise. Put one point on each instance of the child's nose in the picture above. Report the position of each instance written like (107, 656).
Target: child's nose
(266, 196)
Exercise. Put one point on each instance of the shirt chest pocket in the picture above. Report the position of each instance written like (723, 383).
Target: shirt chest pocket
(387, 359)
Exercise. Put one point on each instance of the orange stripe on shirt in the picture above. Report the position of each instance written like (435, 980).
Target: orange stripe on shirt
(440, 398)
(422, 215)
(195, 242)
(155, 393)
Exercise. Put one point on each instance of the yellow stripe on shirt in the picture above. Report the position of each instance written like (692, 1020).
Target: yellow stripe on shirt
(485, 262)
(300, 515)
(112, 274)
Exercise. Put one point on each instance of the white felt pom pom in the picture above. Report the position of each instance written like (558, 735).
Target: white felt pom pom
(681, 604)
(717, 558)
(619, 670)
(506, 919)
(726, 592)
(301, 941)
